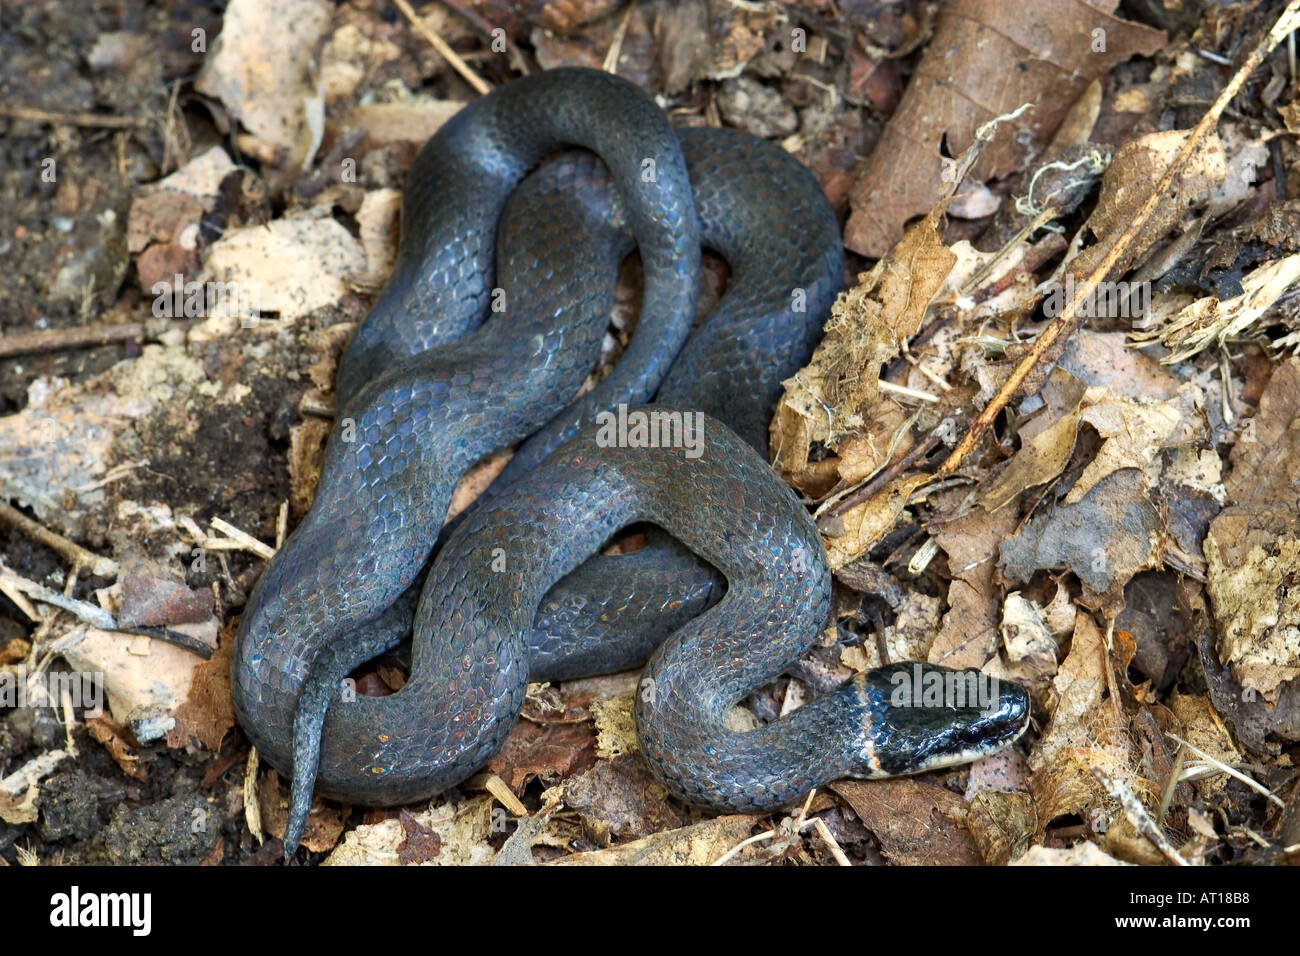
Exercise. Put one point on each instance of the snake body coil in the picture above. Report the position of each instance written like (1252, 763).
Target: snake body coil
(427, 388)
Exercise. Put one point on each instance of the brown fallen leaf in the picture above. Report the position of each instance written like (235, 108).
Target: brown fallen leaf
(1134, 171)
(1041, 458)
(1133, 431)
(620, 799)
(1031, 646)
(986, 59)
(908, 638)
(1087, 730)
(970, 634)
(1002, 825)
(696, 845)
(152, 598)
(1114, 532)
(917, 823)
(421, 844)
(324, 824)
(208, 712)
(835, 395)
(1253, 548)
(866, 522)
(549, 752)
(112, 736)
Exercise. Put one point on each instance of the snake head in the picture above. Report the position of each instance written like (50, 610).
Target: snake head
(920, 717)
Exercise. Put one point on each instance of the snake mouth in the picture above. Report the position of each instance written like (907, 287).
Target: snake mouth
(921, 717)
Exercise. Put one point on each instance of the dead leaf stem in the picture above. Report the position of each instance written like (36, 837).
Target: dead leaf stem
(444, 49)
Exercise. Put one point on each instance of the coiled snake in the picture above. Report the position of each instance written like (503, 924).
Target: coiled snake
(427, 388)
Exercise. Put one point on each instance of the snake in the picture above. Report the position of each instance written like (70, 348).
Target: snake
(516, 216)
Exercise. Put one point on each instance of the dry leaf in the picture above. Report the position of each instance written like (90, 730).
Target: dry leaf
(986, 58)
(462, 832)
(969, 635)
(208, 712)
(1002, 825)
(835, 396)
(1253, 548)
(1084, 732)
(261, 68)
(917, 823)
(1110, 535)
(620, 799)
(867, 521)
(1211, 320)
(1133, 173)
(697, 845)
(112, 737)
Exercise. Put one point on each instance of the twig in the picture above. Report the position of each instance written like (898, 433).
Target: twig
(445, 51)
(70, 551)
(29, 773)
(797, 825)
(1230, 771)
(915, 454)
(83, 337)
(1140, 818)
(903, 390)
(1064, 325)
(10, 590)
(1175, 772)
(916, 363)
(504, 795)
(92, 615)
(750, 841)
(11, 583)
(252, 806)
(282, 525)
(820, 826)
(610, 64)
(241, 539)
(71, 119)
(169, 636)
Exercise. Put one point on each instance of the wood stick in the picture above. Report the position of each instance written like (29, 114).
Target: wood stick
(444, 50)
